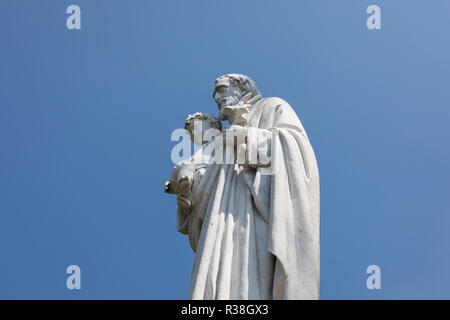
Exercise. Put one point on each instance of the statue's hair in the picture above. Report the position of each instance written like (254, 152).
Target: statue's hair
(215, 123)
(245, 83)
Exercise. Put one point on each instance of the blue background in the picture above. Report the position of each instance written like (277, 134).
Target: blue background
(86, 118)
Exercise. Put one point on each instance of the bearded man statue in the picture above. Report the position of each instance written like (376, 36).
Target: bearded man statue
(254, 225)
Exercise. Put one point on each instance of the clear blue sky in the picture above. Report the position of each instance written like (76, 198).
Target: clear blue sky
(86, 118)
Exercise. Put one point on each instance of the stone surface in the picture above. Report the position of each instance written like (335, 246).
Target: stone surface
(253, 224)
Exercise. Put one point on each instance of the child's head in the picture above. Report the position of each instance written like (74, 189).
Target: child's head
(203, 121)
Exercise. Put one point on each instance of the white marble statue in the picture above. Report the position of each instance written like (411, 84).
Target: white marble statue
(253, 224)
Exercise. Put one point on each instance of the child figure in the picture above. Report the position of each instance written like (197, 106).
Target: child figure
(187, 173)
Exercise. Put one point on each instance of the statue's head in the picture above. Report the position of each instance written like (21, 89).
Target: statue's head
(229, 88)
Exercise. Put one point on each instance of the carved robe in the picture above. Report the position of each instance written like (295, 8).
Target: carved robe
(256, 235)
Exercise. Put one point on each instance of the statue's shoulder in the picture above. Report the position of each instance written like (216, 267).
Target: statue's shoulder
(272, 104)
(281, 113)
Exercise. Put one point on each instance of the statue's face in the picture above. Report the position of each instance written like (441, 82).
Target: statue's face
(226, 94)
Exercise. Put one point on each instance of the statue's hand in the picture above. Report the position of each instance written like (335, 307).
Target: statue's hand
(236, 115)
(184, 204)
(245, 99)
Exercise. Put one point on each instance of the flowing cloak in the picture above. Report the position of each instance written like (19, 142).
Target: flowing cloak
(256, 235)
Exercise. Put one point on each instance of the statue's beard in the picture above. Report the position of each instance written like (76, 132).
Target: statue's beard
(230, 101)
